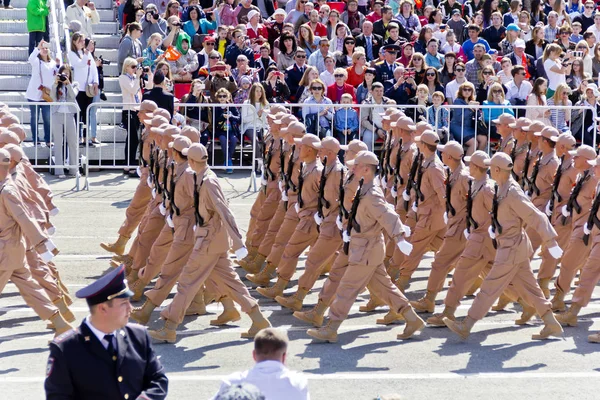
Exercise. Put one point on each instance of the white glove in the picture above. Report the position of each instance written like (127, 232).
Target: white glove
(170, 222)
(138, 170)
(51, 231)
(556, 252)
(565, 212)
(149, 182)
(414, 206)
(406, 196)
(47, 256)
(394, 192)
(153, 193)
(407, 231)
(345, 237)
(548, 211)
(54, 212)
(405, 247)
(284, 196)
(466, 233)
(280, 183)
(586, 230)
(194, 227)
(297, 208)
(50, 246)
(241, 253)
(446, 218)
(162, 209)
(338, 222)
(491, 232)
(318, 219)
(263, 181)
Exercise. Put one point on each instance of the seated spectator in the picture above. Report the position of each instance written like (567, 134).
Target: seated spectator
(226, 126)
(407, 53)
(222, 40)
(316, 117)
(307, 40)
(408, 18)
(385, 68)
(575, 77)
(453, 47)
(452, 86)
(153, 23)
(425, 36)
(287, 51)
(447, 7)
(192, 26)
(438, 116)
(327, 75)
(159, 93)
(537, 99)
(317, 58)
(345, 121)
(401, 87)
(335, 91)
(496, 105)
(563, 39)
(208, 45)
(130, 46)
(254, 114)
(333, 19)
(370, 118)
(183, 67)
(446, 73)
(494, 33)
(238, 47)
(243, 70)
(226, 13)
(560, 118)
(505, 74)
(241, 95)
(304, 91)
(208, 25)
(276, 90)
(576, 36)
(419, 104)
(257, 32)
(293, 74)
(264, 62)
(512, 16)
(462, 123)
(343, 59)
(198, 117)
(432, 81)
(393, 35)
(153, 54)
(458, 26)
(419, 66)
(512, 34)
(432, 57)
(185, 15)
(588, 115)
(294, 15)
(356, 72)
(474, 39)
(173, 30)
(536, 46)
(269, 374)
(173, 9)
(242, 11)
(353, 18)
(488, 77)
(316, 26)
(518, 89)
(203, 72)
(220, 78)
(519, 57)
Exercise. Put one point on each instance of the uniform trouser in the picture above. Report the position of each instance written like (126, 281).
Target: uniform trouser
(198, 269)
(285, 232)
(158, 254)
(32, 293)
(272, 231)
(590, 275)
(422, 240)
(63, 126)
(304, 235)
(137, 208)
(42, 274)
(502, 274)
(146, 237)
(573, 259)
(355, 279)
(271, 210)
(145, 217)
(179, 253)
(549, 263)
(444, 260)
(408, 219)
(465, 274)
(332, 283)
(254, 212)
(320, 253)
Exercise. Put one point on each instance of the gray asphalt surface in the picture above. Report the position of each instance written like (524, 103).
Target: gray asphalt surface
(499, 361)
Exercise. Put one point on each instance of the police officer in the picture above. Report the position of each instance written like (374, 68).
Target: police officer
(106, 357)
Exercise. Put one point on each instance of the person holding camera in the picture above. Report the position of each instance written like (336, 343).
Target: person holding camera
(220, 78)
(90, 45)
(129, 81)
(63, 120)
(130, 46)
(153, 23)
(276, 90)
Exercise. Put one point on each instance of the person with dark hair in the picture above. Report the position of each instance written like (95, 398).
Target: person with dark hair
(159, 93)
(63, 121)
(387, 16)
(276, 89)
(238, 47)
(287, 51)
(130, 46)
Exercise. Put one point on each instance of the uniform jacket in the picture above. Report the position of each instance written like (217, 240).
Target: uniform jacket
(430, 212)
(585, 199)
(519, 161)
(479, 243)
(79, 367)
(567, 181)
(459, 180)
(545, 178)
(311, 174)
(37, 182)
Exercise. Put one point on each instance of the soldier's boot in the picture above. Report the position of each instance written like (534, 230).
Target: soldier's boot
(569, 318)
(527, 314)
(229, 314)
(59, 323)
(594, 338)
(386, 262)
(142, 314)
(463, 328)
(551, 327)
(327, 267)
(264, 276)
(252, 252)
(254, 266)
(138, 288)
(402, 283)
(545, 286)
(123, 258)
(197, 307)
(503, 302)
(414, 323)
(438, 319)
(328, 333)
(62, 306)
(372, 304)
(117, 247)
(275, 290)
(314, 316)
(389, 318)
(210, 297)
(259, 322)
(166, 334)
(293, 302)
(558, 301)
(132, 277)
(476, 285)
(63, 288)
(426, 304)
(393, 272)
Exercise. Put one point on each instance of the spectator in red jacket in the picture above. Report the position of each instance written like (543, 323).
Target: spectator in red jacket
(335, 91)
(317, 27)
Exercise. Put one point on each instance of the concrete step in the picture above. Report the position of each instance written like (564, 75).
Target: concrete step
(100, 4)
(7, 97)
(21, 27)
(107, 15)
(109, 54)
(105, 151)
(22, 39)
(14, 53)
(24, 68)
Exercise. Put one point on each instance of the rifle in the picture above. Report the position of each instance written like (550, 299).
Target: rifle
(165, 180)
(449, 208)
(513, 155)
(157, 171)
(592, 218)
(526, 168)
(268, 174)
(199, 219)
(532, 185)
(572, 204)
(343, 213)
(496, 227)
(287, 176)
(172, 206)
(555, 195)
(397, 176)
(470, 221)
(387, 167)
(419, 195)
(384, 153)
(142, 162)
(151, 165)
(352, 224)
(411, 176)
(321, 200)
(300, 185)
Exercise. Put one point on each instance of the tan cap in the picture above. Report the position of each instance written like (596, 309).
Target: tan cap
(330, 143)
(18, 130)
(595, 161)
(478, 158)
(421, 127)
(163, 113)
(504, 119)
(500, 160)
(566, 139)
(520, 123)
(365, 157)
(180, 143)
(404, 123)
(277, 108)
(9, 119)
(549, 133)
(452, 148)
(396, 116)
(296, 129)
(8, 137)
(355, 146)
(584, 151)
(4, 157)
(277, 115)
(196, 152)
(158, 130)
(171, 130)
(535, 126)
(309, 140)
(387, 115)
(16, 152)
(191, 133)
(148, 106)
(285, 119)
(158, 120)
(429, 137)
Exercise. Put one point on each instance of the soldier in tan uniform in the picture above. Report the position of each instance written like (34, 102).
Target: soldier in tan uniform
(329, 240)
(370, 214)
(454, 241)
(518, 153)
(511, 209)
(16, 224)
(578, 207)
(534, 150)
(503, 127)
(215, 227)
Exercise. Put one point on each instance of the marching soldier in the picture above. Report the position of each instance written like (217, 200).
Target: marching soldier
(518, 153)
(106, 357)
(511, 209)
(503, 127)
(532, 152)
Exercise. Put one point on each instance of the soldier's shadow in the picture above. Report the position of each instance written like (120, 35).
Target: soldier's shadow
(580, 334)
(13, 322)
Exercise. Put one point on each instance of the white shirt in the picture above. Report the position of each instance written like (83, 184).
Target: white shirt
(554, 79)
(85, 15)
(452, 89)
(46, 78)
(327, 77)
(454, 48)
(520, 92)
(80, 69)
(100, 335)
(273, 379)
(595, 31)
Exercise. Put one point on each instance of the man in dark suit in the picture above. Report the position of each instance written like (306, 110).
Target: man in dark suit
(159, 94)
(385, 69)
(105, 358)
(387, 16)
(518, 56)
(369, 41)
(293, 74)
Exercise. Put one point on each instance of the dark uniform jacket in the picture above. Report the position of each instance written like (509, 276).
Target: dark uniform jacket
(80, 368)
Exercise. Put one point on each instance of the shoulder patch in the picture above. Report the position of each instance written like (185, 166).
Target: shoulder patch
(49, 366)
(64, 336)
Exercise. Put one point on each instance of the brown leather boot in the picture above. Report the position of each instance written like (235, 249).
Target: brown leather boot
(414, 323)
(60, 325)
(259, 322)
(438, 319)
(426, 303)
(117, 247)
(389, 318)
(166, 334)
(275, 290)
(229, 314)
(393, 272)
(328, 333)
(545, 286)
(463, 328)
(402, 283)
(293, 302)
(61, 304)
(551, 327)
(132, 277)
(252, 252)
(373, 303)
(254, 266)
(558, 301)
(527, 314)
(314, 316)
(138, 287)
(503, 302)
(62, 287)
(142, 314)
(476, 285)
(264, 276)
(569, 318)
(197, 307)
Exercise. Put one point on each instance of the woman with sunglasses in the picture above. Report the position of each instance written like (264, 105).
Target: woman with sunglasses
(496, 104)
(129, 82)
(488, 78)
(364, 89)
(432, 81)
(418, 63)
(356, 72)
(317, 110)
(344, 59)
(462, 119)
(226, 129)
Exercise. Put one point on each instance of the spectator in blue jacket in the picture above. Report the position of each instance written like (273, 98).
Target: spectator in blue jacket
(345, 121)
